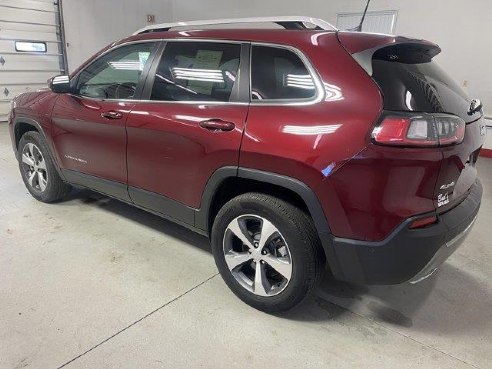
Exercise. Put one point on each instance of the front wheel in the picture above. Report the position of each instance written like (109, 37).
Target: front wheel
(38, 171)
(267, 251)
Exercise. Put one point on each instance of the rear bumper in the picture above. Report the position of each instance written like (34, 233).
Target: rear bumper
(407, 254)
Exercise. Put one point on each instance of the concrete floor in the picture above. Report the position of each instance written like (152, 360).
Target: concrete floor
(94, 283)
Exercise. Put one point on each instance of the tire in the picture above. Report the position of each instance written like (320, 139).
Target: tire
(38, 170)
(294, 242)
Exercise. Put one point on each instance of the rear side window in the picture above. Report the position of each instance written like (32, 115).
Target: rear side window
(197, 71)
(279, 74)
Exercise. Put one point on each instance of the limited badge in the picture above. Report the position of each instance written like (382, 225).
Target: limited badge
(442, 199)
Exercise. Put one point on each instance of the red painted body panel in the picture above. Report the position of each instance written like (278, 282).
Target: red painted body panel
(86, 142)
(170, 154)
(38, 107)
(275, 141)
(378, 189)
(365, 190)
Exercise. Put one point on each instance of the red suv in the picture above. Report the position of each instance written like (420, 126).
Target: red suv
(294, 149)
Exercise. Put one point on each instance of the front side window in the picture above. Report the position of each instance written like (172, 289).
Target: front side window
(279, 74)
(197, 71)
(116, 74)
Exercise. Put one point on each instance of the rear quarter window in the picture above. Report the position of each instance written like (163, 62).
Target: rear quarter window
(279, 74)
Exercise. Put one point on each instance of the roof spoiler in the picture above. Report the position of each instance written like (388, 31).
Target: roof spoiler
(365, 46)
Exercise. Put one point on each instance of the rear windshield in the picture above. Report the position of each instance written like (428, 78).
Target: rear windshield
(411, 81)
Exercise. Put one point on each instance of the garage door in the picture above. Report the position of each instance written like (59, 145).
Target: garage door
(378, 21)
(30, 47)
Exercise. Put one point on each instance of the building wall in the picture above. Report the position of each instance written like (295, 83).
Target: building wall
(91, 25)
(460, 28)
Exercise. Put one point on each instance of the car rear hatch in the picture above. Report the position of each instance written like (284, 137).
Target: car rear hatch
(414, 86)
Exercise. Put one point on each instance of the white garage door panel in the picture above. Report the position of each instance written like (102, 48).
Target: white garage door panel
(29, 16)
(9, 46)
(28, 62)
(29, 4)
(13, 91)
(33, 28)
(4, 110)
(26, 78)
(10, 34)
(27, 20)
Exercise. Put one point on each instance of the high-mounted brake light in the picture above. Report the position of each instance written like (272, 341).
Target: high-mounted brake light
(419, 130)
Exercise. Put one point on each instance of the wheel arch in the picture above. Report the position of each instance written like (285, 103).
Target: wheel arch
(303, 196)
(23, 125)
(300, 195)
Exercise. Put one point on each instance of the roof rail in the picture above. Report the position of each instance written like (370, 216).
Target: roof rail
(292, 22)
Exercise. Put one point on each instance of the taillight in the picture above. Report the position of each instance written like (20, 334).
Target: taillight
(428, 130)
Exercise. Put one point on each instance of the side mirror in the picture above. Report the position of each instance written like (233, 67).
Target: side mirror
(60, 84)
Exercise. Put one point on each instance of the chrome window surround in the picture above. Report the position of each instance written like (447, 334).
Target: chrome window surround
(319, 95)
(290, 102)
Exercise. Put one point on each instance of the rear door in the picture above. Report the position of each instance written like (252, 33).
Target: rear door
(190, 125)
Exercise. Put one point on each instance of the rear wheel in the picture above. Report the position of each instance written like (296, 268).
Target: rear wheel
(38, 171)
(267, 251)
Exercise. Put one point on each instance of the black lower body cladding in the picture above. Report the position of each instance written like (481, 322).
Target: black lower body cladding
(407, 253)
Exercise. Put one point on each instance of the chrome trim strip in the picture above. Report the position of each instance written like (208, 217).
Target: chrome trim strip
(156, 40)
(320, 92)
(164, 102)
(115, 45)
(432, 266)
(461, 235)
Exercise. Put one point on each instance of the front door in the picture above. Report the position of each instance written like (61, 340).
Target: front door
(191, 126)
(89, 131)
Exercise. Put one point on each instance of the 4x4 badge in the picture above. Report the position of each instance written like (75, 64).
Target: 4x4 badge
(475, 105)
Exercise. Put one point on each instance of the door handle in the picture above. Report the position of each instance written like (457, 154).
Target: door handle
(217, 125)
(112, 115)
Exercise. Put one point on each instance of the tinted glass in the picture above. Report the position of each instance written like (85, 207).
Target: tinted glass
(196, 71)
(279, 74)
(411, 81)
(116, 74)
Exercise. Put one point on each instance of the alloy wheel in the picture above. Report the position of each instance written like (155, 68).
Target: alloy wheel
(257, 255)
(34, 167)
